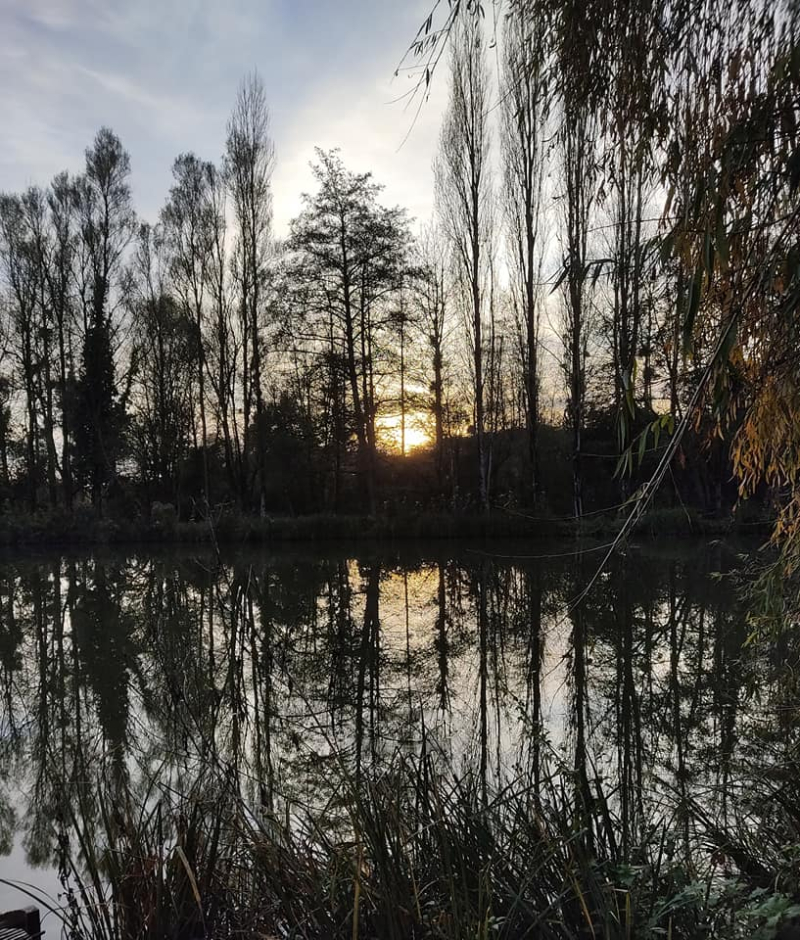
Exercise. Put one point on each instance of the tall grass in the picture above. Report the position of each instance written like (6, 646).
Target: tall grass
(417, 852)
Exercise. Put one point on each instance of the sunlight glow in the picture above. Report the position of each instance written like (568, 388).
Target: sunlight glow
(390, 433)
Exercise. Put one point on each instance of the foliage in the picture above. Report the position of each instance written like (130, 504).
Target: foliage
(410, 851)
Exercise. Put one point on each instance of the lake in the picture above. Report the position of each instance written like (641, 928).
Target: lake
(285, 668)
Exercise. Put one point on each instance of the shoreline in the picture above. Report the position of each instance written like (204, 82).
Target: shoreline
(84, 527)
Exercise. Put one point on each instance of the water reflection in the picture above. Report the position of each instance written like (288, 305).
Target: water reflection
(280, 668)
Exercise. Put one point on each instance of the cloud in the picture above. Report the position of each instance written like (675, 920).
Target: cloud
(165, 110)
(163, 74)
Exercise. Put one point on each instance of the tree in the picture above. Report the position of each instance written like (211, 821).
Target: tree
(464, 193)
(34, 201)
(430, 297)
(523, 125)
(60, 277)
(223, 351)
(249, 162)
(349, 259)
(106, 220)
(576, 144)
(164, 343)
(189, 228)
(21, 271)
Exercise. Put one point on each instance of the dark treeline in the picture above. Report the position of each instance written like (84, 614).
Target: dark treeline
(533, 346)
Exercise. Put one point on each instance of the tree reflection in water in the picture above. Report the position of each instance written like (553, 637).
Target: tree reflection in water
(282, 670)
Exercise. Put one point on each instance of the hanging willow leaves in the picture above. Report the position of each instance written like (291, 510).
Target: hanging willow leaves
(692, 306)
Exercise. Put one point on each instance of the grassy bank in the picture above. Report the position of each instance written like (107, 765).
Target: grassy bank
(413, 852)
(85, 527)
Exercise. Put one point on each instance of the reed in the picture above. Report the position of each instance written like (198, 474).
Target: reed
(416, 851)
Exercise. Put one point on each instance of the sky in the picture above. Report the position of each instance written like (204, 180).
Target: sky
(163, 75)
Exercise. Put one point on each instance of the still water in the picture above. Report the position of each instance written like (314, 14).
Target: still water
(282, 665)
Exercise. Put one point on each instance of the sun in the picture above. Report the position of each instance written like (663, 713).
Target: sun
(390, 431)
(415, 437)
